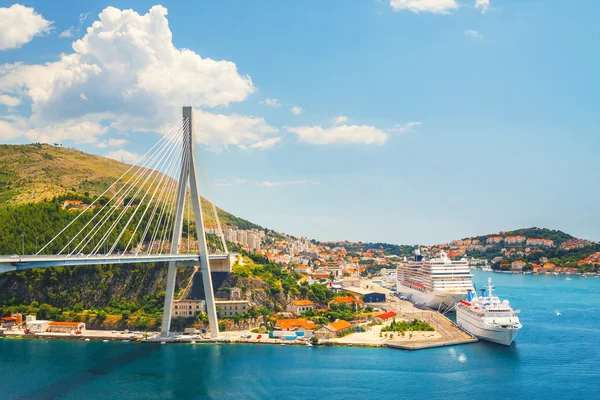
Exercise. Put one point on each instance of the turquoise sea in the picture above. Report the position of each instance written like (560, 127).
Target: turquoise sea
(553, 358)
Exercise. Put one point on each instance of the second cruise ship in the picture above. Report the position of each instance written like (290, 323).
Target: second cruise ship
(437, 282)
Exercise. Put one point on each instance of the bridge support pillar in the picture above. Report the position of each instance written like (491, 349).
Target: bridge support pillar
(188, 174)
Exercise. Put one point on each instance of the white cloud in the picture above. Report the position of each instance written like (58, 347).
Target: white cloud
(483, 5)
(68, 33)
(9, 101)
(238, 181)
(219, 131)
(8, 130)
(404, 128)
(116, 142)
(111, 143)
(266, 144)
(358, 134)
(80, 130)
(124, 156)
(128, 68)
(271, 103)
(432, 6)
(340, 119)
(288, 183)
(19, 25)
(473, 34)
(296, 110)
(83, 17)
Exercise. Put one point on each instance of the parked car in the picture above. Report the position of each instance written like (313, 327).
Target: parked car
(259, 337)
(247, 336)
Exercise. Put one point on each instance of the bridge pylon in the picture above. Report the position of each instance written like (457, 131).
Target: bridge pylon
(188, 176)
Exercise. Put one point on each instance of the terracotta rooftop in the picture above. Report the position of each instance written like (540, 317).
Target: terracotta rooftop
(303, 303)
(340, 325)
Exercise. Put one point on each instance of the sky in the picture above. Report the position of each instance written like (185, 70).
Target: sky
(402, 121)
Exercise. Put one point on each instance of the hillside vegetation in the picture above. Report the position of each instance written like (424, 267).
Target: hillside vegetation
(558, 237)
(35, 173)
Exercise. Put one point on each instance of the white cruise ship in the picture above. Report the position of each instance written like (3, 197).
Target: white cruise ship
(488, 318)
(437, 283)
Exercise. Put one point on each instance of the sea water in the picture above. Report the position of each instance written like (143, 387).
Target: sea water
(554, 357)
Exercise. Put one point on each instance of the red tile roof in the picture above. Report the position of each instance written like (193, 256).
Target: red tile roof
(387, 315)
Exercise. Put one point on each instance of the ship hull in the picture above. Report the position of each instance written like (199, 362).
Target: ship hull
(503, 336)
(435, 299)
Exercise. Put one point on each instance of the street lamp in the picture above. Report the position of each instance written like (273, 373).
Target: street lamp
(23, 243)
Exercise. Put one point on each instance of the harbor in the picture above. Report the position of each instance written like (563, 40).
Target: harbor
(546, 345)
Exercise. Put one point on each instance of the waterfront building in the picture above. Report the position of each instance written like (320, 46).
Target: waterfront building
(65, 326)
(38, 325)
(294, 324)
(517, 265)
(334, 329)
(228, 308)
(188, 307)
(8, 322)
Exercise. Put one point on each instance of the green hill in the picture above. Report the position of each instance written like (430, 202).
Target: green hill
(558, 237)
(35, 173)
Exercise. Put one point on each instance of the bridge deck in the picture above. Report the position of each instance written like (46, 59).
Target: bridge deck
(16, 263)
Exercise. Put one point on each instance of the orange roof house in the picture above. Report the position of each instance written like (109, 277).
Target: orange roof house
(340, 325)
(303, 302)
(347, 300)
(337, 328)
(293, 324)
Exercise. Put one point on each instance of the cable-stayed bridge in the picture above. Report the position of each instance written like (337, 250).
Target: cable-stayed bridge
(141, 218)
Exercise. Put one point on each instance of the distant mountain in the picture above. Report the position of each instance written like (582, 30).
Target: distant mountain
(36, 172)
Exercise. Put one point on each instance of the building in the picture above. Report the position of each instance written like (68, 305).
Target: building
(335, 329)
(347, 300)
(386, 316)
(517, 265)
(514, 239)
(73, 204)
(8, 322)
(188, 307)
(295, 324)
(299, 306)
(65, 327)
(38, 326)
(229, 308)
(494, 239)
(539, 242)
(374, 297)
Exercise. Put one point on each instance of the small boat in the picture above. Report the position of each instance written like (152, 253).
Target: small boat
(568, 279)
(193, 342)
(105, 341)
(309, 345)
(87, 340)
(125, 341)
(163, 342)
(558, 314)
